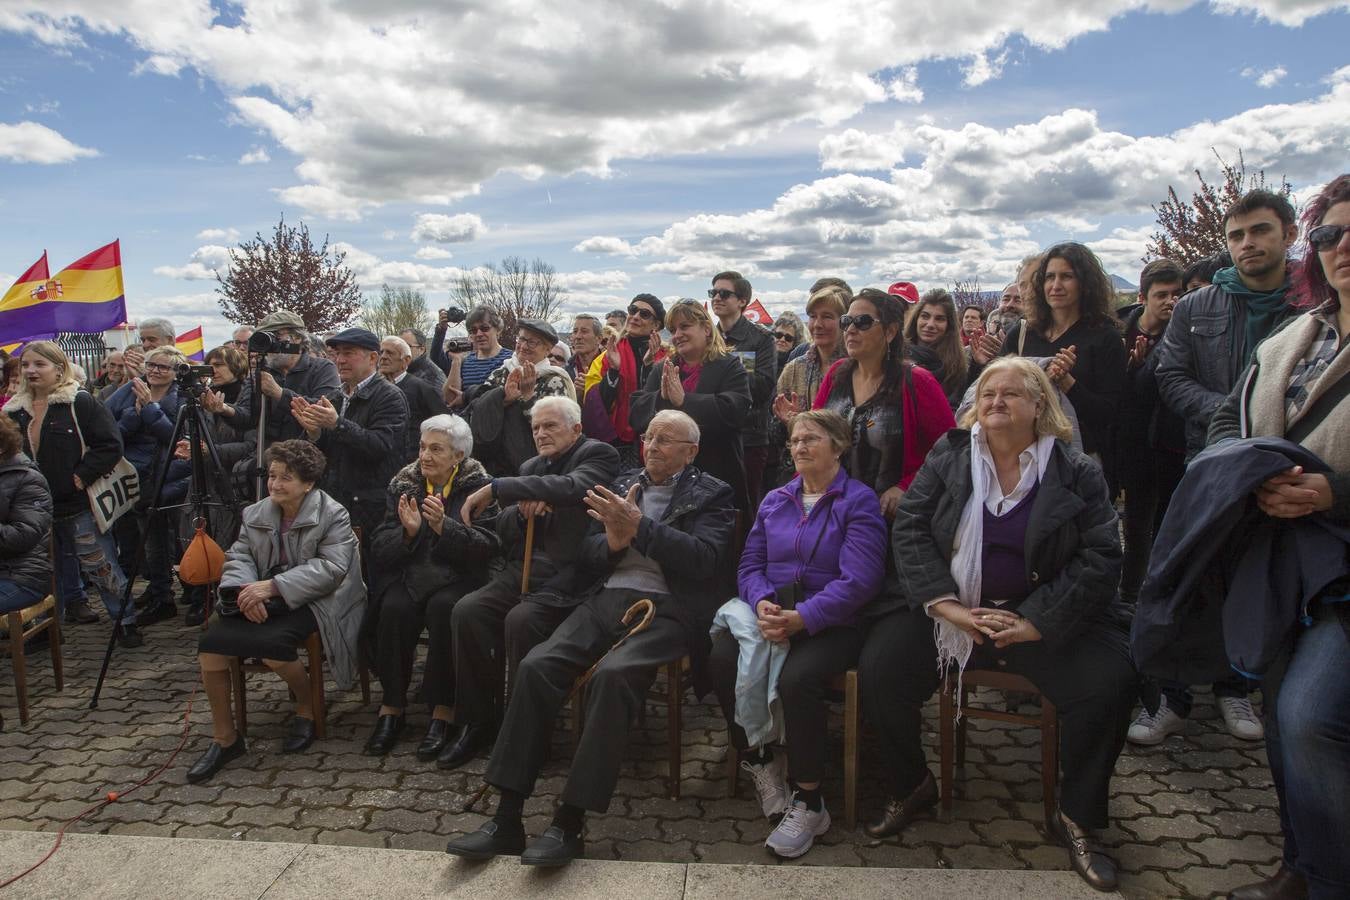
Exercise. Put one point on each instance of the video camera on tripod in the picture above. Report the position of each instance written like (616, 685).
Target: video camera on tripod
(189, 379)
(267, 342)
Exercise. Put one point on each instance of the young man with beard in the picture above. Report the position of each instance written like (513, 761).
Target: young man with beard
(753, 345)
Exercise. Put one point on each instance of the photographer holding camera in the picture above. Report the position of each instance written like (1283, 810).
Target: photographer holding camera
(470, 362)
(289, 371)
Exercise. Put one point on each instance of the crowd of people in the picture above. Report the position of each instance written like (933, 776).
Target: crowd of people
(882, 482)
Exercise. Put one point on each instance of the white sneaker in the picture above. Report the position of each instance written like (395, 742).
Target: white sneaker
(798, 830)
(770, 784)
(1149, 730)
(1241, 719)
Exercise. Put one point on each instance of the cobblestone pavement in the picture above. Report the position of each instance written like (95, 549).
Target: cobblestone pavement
(1193, 817)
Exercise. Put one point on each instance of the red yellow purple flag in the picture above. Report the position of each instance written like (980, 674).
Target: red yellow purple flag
(190, 344)
(86, 296)
(20, 294)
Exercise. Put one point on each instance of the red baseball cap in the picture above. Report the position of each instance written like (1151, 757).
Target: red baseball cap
(905, 291)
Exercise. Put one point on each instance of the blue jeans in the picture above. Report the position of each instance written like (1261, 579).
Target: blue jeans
(1308, 741)
(97, 557)
(69, 578)
(14, 596)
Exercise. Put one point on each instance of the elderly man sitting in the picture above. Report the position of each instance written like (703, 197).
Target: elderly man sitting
(660, 535)
(496, 625)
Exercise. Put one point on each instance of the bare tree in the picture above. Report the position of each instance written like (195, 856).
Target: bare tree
(1189, 231)
(396, 310)
(966, 292)
(514, 289)
(289, 272)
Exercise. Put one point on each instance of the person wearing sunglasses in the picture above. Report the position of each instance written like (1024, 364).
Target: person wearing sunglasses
(788, 332)
(1295, 388)
(465, 372)
(753, 345)
(703, 379)
(626, 361)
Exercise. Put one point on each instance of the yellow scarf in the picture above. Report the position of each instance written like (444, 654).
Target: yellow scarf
(445, 491)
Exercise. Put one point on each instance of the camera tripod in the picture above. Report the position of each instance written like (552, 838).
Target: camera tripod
(190, 422)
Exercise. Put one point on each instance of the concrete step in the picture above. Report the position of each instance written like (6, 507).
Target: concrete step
(113, 867)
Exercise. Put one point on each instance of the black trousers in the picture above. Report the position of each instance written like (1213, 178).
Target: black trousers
(400, 619)
(491, 630)
(812, 662)
(614, 695)
(1090, 680)
(1148, 491)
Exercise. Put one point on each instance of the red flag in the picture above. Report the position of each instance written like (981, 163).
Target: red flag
(755, 312)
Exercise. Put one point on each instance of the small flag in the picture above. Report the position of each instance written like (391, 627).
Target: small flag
(86, 296)
(755, 312)
(189, 343)
(19, 297)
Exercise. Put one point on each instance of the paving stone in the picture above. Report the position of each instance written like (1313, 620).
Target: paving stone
(1005, 831)
(402, 820)
(261, 815)
(655, 851)
(623, 828)
(335, 819)
(699, 830)
(1201, 881)
(1046, 857)
(1163, 855)
(891, 855)
(1232, 824)
(1152, 828)
(1219, 851)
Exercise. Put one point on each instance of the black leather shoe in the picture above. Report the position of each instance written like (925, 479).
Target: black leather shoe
(1286, 885)
(490, 840)
(899, 813)
(300, 737)
(129, 636)
(160, 612)
(214, 759)
(471, 738)
(438, 735)
(554, 847)
(385, 735)
(1094, 867)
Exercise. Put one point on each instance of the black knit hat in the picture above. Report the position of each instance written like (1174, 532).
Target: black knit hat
(656, 306)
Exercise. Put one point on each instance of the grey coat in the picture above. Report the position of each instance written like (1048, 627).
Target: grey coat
(324, 572)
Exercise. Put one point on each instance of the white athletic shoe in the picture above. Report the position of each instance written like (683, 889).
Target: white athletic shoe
(798, 830)
(1149, 730)
(1241, 719)
(770, 784)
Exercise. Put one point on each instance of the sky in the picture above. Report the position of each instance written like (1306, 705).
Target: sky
(643, 146)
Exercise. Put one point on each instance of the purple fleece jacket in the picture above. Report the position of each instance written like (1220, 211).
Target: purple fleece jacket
(848, 567)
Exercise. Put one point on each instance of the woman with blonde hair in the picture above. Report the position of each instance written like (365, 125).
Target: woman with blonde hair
(703, 380)
(1007, 552)
(74, 441)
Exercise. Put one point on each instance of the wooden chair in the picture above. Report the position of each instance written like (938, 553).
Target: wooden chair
(844, 686)
(314, 668)
(22, 625)
(953, 733)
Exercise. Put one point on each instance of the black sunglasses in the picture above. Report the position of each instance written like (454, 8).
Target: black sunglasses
(641, 312)
(1324, 237)
(781, 336)
(863, 322)
(720, 294)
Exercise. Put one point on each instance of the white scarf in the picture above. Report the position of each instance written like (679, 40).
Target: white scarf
(953, 644)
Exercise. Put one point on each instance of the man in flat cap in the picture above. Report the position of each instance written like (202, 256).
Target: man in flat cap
(359, 427)
(500, 414)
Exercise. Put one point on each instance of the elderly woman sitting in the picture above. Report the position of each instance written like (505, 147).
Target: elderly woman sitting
(25, 522)
(815, 557)
(425, 558)
(294, 570)
(1008, 541)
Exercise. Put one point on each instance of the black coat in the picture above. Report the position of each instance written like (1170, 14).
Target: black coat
(59, 456)
(720, 405)
(311, 377)
(562, 483)
(25, 523)
(690, 542)
(424, 401)
(1072, 544)
(753, 345)
(364, 450)
(458, 556)
(1145, 423)
(428, 371)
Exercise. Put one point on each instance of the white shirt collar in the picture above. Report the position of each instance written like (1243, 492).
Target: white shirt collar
(1031, 463)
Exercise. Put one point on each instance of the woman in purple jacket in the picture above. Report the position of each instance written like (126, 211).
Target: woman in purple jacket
(821, 537)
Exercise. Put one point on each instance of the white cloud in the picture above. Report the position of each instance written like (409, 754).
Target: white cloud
(255, 156)
(588, 281)
(432, 253)
(1122, 250)
(202, 265)
(983, 67)
(420, 102)
(905, 86)
(1266, 78)
(43, 107)
(444, 229)
(29, 142)
(228, 235)
(608, 246)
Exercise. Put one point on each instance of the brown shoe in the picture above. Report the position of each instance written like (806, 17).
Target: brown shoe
(1094, 867)
(899, 813)
(1285, 885)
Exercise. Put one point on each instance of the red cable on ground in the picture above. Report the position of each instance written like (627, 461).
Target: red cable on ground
(113, 796)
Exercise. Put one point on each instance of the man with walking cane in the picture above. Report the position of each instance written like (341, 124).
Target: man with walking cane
(656, 546)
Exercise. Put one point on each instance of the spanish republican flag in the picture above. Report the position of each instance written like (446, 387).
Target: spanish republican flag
(86, 296)
(189, 343)
(19, 296)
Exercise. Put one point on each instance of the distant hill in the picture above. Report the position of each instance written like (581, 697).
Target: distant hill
(1121, 284)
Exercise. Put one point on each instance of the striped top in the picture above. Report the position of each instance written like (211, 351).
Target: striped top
(475, 370)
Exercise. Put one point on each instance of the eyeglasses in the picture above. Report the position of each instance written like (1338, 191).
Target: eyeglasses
(1324, 237)
(641, 312)
(158, 367)
(557, 359)
(660, 440)
(782, 336)
(862, 322)
(528, 342)
(805, 440)
(720, 294)
(479, 329)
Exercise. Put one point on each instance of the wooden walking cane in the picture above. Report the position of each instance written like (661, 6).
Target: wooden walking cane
(644, 607)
